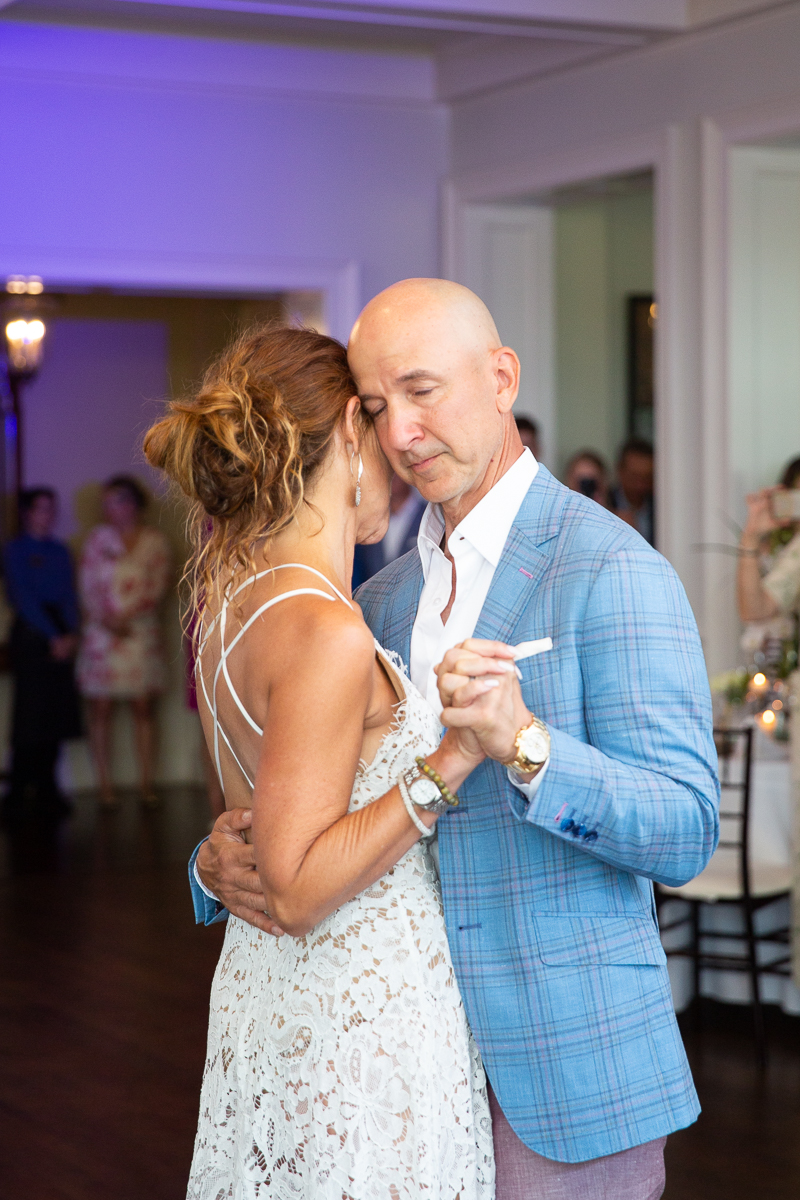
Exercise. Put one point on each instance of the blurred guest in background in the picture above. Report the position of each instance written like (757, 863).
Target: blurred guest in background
(123, 575)
(42, 648)
(586, 472)
(768, 573)
(529, 435)
(632, 498)
(406, 507)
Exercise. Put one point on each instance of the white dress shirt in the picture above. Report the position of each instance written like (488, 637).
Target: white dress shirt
(476, 545)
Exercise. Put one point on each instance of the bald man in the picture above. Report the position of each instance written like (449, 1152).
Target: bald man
(603, 780)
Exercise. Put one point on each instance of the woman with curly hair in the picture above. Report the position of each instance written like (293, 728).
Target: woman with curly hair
(340, 1063)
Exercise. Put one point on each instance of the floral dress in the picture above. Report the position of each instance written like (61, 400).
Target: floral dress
(128, 585)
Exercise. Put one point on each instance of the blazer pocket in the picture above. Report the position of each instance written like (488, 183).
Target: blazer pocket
(589, 939)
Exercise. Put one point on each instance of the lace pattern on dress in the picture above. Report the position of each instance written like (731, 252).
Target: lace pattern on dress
(340, 1065)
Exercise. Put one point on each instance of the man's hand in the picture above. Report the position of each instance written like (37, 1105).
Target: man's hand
(226, 863)
(479, 689)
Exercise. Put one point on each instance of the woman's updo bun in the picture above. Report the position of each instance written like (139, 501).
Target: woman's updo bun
(244, 448)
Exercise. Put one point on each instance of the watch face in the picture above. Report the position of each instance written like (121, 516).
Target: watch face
(535, 744)
(424, 792)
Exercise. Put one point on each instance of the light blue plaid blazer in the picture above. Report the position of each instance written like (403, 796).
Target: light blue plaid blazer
(549, 907)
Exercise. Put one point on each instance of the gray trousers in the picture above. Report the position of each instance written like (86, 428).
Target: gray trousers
(522, 1174)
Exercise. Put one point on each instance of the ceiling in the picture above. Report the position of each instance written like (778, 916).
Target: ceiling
(478, 44)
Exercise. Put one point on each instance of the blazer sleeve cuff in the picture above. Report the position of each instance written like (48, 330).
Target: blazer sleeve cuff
(207, 909)
(550, 804)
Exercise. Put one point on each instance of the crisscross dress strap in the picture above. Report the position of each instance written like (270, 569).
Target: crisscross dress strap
(221, 619)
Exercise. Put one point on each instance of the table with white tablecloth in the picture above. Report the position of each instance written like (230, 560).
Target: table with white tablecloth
(774, 802)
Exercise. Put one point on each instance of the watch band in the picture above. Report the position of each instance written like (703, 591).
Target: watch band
(412, 812)
(520, 762)
(437, 805)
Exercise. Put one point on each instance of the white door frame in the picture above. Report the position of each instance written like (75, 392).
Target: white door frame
(498, 238)
(339, 280)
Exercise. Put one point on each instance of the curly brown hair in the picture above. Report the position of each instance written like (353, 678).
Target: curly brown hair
(245, 447)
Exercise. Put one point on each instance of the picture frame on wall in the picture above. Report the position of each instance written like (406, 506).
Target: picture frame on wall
(642, 317)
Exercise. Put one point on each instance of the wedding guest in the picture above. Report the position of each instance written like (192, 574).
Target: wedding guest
(587, 473)
(123, 575)
(768, 572)
(406, 507)
(529, 435)
(632, 498)
(46, 710)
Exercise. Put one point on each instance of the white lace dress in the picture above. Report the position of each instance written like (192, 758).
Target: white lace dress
(340, 1064)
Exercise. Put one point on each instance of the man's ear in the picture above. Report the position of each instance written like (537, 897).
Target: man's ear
(506, 372)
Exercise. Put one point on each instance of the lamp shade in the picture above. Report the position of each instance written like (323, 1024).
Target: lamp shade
(25, 344)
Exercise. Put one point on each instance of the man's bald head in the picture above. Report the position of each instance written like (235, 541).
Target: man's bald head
(458, 314)
(434, 375)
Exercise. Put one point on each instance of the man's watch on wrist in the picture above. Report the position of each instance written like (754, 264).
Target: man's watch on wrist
(532, 745)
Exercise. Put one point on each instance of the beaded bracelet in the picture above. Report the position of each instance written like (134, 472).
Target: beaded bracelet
(450, 797)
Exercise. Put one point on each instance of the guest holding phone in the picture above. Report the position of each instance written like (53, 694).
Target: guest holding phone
(768, 574)
(587, 473)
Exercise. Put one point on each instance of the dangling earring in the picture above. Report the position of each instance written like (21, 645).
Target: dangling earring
(358, 479)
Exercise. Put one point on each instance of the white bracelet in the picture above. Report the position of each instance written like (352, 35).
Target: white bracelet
(412, 812)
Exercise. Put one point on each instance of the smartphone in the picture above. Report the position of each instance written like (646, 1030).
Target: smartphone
(786, 504)
(588, 487)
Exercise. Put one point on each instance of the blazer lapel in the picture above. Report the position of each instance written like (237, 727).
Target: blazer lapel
(403, 610)
(523, 561)
(518, 572)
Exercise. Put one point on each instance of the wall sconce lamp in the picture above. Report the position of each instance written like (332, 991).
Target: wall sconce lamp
(24, 345)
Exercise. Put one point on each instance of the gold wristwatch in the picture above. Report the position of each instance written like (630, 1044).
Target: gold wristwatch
(533, 748)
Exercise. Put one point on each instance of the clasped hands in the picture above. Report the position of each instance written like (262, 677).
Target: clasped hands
(482, 704)
(483, 710)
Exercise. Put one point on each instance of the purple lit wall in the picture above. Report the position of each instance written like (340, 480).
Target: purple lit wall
(140, 148)
(85, 414)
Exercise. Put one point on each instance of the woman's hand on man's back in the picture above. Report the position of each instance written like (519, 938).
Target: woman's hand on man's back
(226, 863)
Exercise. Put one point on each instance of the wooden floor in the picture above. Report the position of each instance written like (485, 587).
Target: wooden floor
(103, 1005)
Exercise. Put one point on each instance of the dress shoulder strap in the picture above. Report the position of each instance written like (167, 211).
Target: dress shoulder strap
(225, 650)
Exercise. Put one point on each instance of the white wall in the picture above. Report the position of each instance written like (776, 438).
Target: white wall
(159, 159)
(764, 345)
(712, 71)
(675, 106)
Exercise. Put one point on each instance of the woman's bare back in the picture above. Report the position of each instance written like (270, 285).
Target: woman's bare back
(237, 691)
